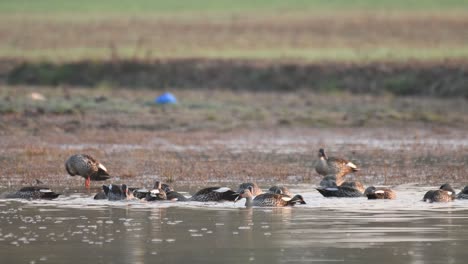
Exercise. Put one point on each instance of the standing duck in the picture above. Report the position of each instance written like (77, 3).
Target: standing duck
(463, 194)
(254, 188)
(33, 193)
(280, 190)
(444, 194)
(332, 190)
(333, 166)
(379, 193)
(270, 199)
(214, 194)
(87, 167)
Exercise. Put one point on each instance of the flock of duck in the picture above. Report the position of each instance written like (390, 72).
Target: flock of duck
(333, 184)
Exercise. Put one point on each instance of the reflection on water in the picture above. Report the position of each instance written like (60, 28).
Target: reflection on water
(76, 229)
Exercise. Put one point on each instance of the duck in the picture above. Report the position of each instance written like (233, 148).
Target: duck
(117, 193)
(34, 193)
(139, 193)
(333, 190)
(283, 190)
(254, 188)
(214, 194)
(379, 193)
(269, 199)
(325, 182)
(87, 167)
(334, 166)
(157, 193)
(330, 181)
(463, 194)
(102, 195)
(172, 195)
(444, 194)
(142, 193)
(354, 184)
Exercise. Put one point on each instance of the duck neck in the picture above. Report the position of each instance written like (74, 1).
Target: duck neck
(323, 159)
(339, 179)
(248, 201)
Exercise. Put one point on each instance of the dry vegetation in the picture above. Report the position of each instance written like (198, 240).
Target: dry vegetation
(225, 136)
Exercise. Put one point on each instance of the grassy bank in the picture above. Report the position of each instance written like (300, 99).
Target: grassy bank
(435, 79)
(77, 110)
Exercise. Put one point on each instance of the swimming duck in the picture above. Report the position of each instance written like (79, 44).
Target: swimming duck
(116, 193)
(463, 194)
(157, 193)
(270, 199)
(325, 182)
(139, 193)
(254, 188)
(444, 194)
(333, 166)
(280, 190)
(379, 193)
(87, 167)
(171, 194)
(175, 196)
(102, 195)
(354, 184)
(332, 190)
(214, 194)
(33, 193)
(332, 181)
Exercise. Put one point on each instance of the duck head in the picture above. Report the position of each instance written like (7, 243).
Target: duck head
(448, 188)
(321, 154)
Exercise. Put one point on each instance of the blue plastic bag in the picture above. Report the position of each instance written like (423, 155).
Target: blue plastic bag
(166, 98)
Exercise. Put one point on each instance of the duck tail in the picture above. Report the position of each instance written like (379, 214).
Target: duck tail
(230, 196)
(49, 195)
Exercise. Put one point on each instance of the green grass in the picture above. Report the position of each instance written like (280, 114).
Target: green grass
(170, 6)
(340, 30)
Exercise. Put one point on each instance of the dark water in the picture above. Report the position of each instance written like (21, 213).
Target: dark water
(76, 229)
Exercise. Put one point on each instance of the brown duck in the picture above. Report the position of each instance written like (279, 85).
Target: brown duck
(379, 193)
(333, 166)
(444, 194)
(283, 190)
(270, 199)
(87, 167)
(254, 188)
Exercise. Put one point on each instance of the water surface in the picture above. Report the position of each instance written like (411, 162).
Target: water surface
(77, 229)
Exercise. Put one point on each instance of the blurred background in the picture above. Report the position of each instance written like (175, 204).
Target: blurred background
(92, 72)
(327, 55)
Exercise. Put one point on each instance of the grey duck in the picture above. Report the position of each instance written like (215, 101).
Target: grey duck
(87, 167)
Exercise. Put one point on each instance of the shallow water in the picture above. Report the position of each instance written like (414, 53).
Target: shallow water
(77, 229)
